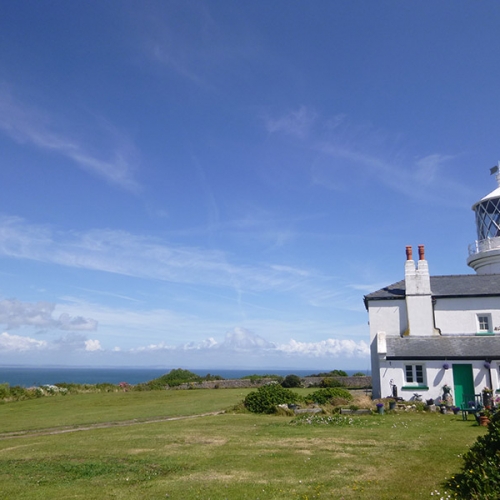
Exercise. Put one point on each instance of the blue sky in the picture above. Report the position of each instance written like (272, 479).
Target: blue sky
(218, 184)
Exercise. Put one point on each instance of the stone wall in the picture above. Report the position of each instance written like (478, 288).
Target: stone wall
(349, 382)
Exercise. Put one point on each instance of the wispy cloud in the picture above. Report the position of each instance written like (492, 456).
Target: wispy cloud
(27, 125)
(124, 253)
(342, 150)
(295, 123)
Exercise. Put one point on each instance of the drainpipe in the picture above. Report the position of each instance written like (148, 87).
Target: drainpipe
(489, 375)
(436, 329)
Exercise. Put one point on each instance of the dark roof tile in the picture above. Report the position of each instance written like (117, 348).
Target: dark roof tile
(460, 285)
(440, 347)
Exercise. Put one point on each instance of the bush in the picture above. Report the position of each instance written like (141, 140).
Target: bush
(480, 476)
(359, 374)
(333, 373)
(4, 391)
(266, 398)
(173, 378)
(323, 396)
(291, 381)
(331, 382)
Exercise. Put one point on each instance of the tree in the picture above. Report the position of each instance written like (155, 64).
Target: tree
(291, 381)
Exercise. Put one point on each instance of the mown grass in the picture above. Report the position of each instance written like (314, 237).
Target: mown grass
(233, 456)
(84, 409)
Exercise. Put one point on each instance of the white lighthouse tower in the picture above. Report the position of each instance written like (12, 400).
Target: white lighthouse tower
(484, 254)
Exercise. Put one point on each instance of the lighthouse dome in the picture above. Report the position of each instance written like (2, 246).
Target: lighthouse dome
(484, 253)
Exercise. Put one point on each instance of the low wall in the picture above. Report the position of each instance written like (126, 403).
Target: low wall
(348, 382)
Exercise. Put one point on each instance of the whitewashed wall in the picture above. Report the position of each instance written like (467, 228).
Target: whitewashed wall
(459, 316)
(387, 316)
(436, 377)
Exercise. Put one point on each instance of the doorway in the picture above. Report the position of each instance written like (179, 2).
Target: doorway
(463, 382)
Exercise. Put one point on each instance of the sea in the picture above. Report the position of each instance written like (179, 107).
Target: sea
(37, 376)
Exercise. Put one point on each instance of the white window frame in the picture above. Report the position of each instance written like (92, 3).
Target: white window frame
(484, 319)
(417, 377)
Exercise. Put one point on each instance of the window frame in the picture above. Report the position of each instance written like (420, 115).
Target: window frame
(483, 319)
(415, 374)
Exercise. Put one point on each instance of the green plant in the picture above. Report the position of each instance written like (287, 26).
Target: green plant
(173, 378)
(359, 374)
(480, 475)
(323, 396)
(266, 398)
(291, 381)
(331, 382)
(4, 391)
(333, 373)
(337, 420)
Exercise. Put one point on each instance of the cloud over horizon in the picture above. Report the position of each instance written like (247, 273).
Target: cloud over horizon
(238, 341)
(15, 314)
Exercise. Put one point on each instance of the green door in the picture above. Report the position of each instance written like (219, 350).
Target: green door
(463, 381)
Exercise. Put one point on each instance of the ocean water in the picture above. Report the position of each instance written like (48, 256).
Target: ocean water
(31, 376)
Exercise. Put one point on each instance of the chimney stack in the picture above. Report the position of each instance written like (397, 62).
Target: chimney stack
(418, 295)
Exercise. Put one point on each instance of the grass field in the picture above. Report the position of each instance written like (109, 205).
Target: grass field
(231, 455)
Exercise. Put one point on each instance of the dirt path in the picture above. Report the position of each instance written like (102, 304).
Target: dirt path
(102, 425)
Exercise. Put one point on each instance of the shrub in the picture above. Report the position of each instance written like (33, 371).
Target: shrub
(173, 378)
(210, 377)
(323, 396)
(4, 391)
(266, 398)
(291, 381)
(480, 475)
(359, 374)
(331, 382)
(333, 373)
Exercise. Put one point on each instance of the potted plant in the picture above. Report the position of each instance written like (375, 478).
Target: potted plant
(484, 418)
(487, 397)
(380, 408)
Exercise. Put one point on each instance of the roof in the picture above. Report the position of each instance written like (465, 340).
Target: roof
(459, 285)
(494, 194)
(440, 347)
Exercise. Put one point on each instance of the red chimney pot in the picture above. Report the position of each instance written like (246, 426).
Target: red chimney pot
(409, 253)
(421, 252)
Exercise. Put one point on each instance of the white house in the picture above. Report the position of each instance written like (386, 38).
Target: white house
(430, 331)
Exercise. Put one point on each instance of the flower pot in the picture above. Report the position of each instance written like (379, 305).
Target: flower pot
(380, 410)
(484, 421)
(443, 410)
(392, 405)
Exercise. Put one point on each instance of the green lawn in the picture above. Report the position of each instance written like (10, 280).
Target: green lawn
(233, 456)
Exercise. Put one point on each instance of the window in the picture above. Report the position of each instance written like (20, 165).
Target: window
(414, 374)
(484, 322)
